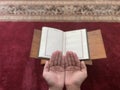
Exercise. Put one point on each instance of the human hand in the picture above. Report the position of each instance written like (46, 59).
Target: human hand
(53, 71)
(75, 71)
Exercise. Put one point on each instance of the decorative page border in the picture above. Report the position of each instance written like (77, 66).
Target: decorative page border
(67, 11)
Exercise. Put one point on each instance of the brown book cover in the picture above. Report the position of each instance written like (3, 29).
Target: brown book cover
(95, 42)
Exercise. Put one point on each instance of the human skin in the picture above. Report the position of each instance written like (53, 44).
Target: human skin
(75, 71)
(54, 71)
(65, 70)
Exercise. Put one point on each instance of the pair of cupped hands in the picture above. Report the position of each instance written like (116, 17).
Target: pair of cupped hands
(65, 70)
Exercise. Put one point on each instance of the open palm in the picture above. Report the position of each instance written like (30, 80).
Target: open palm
(75, 71)
(54, 70)
(66, 70)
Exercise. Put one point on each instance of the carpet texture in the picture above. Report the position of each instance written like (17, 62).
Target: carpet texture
(60, 10)
(20, 72)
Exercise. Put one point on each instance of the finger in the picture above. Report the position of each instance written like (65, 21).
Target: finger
(63, 61)
(76, 60)
(83, 66)
(59, 58)
(56, 58)
(52, 59)
(72, 59)
(68, 58)
(46, 67)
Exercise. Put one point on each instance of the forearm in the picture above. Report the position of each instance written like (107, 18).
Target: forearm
(72, 87)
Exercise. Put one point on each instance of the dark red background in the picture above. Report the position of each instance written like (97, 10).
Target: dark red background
(20, 72)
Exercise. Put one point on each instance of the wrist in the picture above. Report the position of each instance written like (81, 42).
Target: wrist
(55, 88)
(73, 87)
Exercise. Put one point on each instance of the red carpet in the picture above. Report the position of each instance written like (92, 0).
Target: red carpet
(20, 72)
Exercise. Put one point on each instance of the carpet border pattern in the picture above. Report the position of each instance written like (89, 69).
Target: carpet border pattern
(60, 11)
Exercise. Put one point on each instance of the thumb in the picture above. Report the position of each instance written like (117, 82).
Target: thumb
(83, 66)
(46, 67)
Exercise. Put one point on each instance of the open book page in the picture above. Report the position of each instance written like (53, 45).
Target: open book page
(51, 40)
(76, 41)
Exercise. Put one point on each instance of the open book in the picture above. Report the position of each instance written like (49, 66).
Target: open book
(54, 39)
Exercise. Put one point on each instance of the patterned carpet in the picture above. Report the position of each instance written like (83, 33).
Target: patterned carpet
(19, 18)
(20, 72)
(60, 10)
